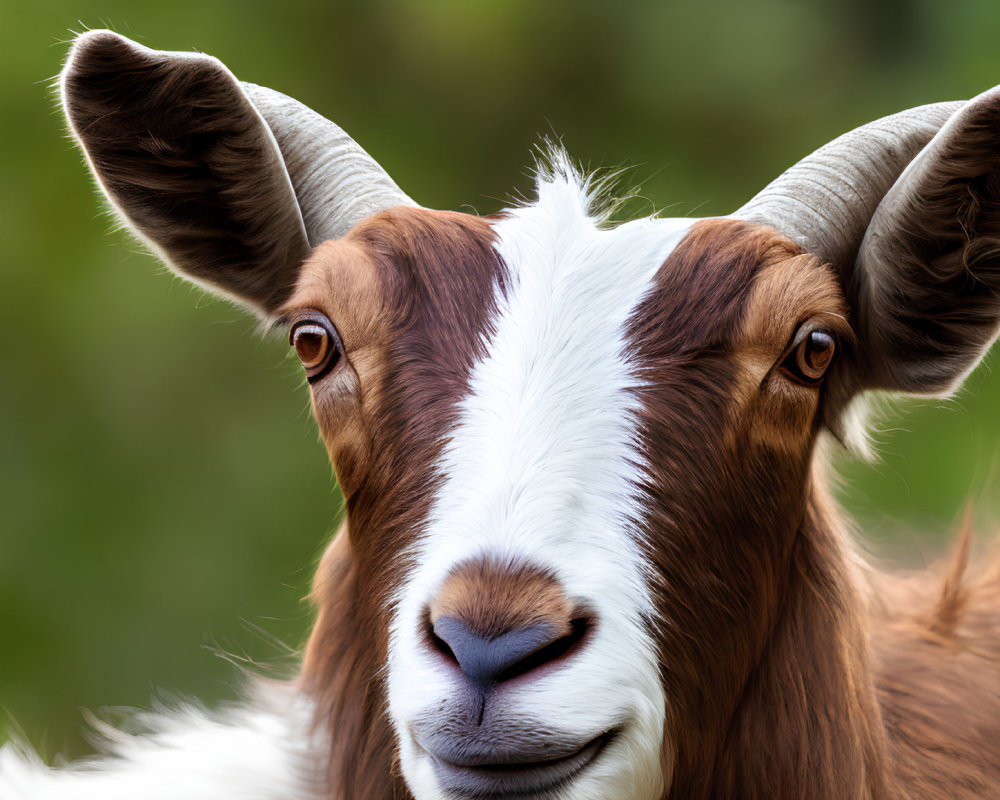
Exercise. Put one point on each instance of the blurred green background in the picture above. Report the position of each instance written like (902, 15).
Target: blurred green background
(163, 496)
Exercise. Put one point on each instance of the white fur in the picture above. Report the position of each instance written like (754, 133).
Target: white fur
(263, 750)
(543, 467)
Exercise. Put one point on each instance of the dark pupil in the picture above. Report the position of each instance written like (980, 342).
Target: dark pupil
(310, 347)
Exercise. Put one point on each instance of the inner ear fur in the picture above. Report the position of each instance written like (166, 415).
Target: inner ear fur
(927, 282)
(188, 162)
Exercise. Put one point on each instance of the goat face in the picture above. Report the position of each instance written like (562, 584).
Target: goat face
(556, 454)
(575, 457)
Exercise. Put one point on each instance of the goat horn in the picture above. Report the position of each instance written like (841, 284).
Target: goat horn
(336, 182)
(826, 201)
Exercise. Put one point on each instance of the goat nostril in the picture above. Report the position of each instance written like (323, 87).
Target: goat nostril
(579, 628)
(440, 644)
(435, 642)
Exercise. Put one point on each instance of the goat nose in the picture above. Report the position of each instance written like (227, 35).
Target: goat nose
(489, 661)
(497, 619)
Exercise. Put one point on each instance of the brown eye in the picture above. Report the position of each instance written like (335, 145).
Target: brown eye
(810, 356)
(814, 354)
(316, 343)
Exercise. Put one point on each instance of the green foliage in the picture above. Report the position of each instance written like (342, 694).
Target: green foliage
(162, 490)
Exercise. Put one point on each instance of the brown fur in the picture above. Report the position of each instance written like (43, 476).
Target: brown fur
(738, 580)
(493, 597)
(936, 637)
(765, 641)
(410, 292)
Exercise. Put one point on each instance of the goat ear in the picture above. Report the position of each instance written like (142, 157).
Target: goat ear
(926, 283)
(189, 164)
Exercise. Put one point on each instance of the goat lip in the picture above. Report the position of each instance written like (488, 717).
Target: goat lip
(508, 778)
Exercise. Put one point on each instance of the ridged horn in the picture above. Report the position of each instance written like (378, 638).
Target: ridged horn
(825, 202)
(336, 182)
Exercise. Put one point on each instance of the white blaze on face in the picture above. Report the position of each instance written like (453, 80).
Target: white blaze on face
(542, 467)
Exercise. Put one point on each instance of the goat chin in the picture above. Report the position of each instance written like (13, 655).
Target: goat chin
(260, 749)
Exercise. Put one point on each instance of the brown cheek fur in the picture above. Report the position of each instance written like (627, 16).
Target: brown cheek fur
(727, 505)
(412, 293)
(772, 688)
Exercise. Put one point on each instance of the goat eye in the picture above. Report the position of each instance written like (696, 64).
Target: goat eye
(810, 356)
(815, 354)
(316, 343)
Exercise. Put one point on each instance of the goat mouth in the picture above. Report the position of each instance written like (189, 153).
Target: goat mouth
(509, 779)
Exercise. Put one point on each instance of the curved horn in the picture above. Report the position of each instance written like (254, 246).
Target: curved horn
(336, 182)
(826, 200)
(906, 208)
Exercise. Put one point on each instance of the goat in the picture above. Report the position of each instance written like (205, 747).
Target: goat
(588, 550)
